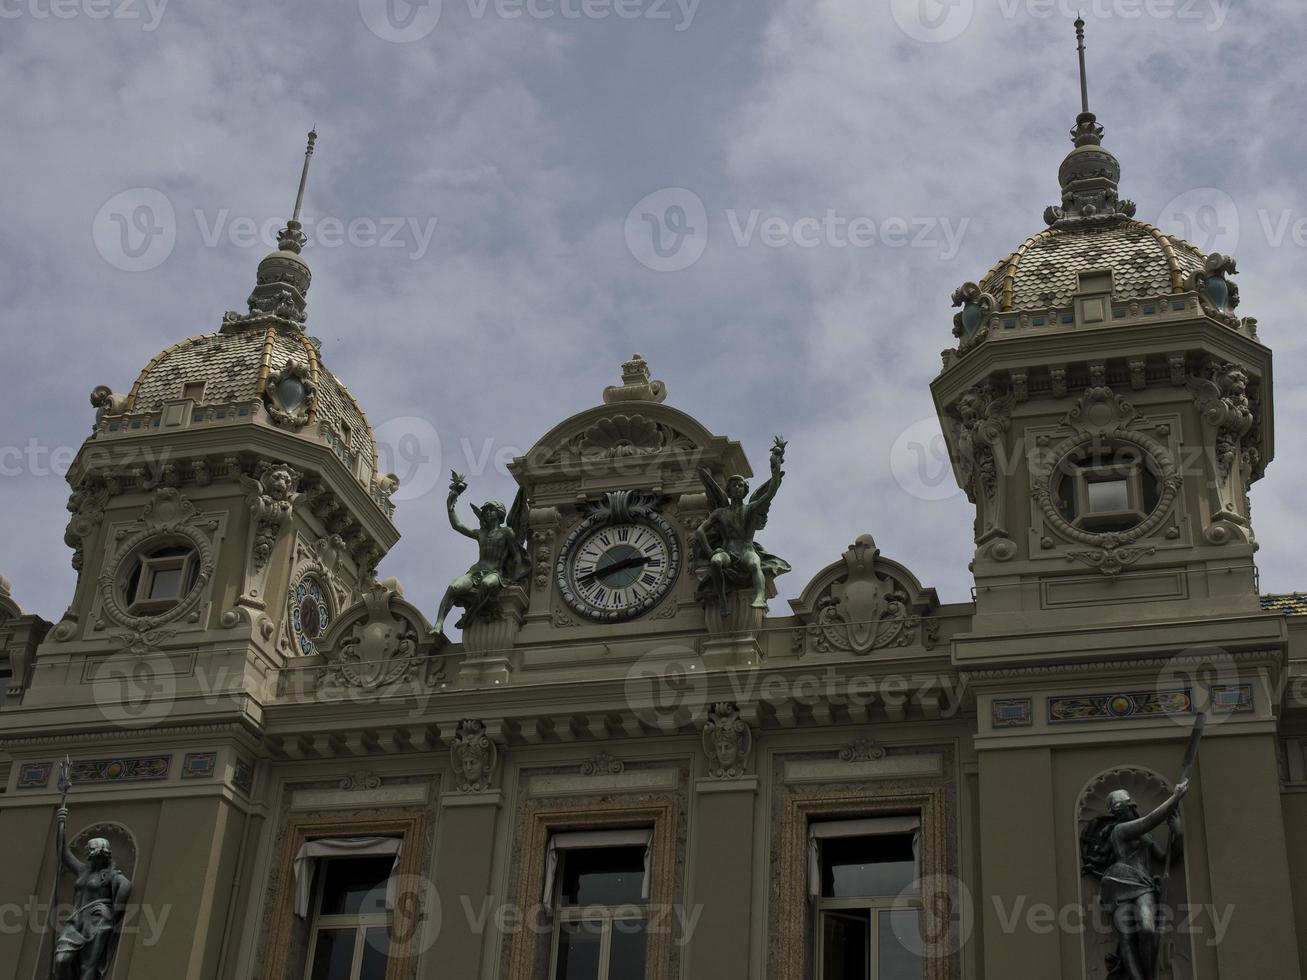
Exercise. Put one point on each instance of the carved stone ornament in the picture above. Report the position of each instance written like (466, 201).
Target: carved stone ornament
(862, 750)
(269, 497)
(289, 394)
(475, 756)
(636, 385)
(971, 323)
(361, 779)
(375, 645)
(167, 516)
(603, 764)
(981, 421)
(864, 603)
(1216, 292)
(727, 741)
(623, 435)
(1103, 418)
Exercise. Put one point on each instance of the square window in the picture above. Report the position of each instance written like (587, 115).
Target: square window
(194, 390)
(165, 581)
(1109, 496)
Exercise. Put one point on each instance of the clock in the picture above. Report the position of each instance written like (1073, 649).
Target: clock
(612, 570)
(310, 612)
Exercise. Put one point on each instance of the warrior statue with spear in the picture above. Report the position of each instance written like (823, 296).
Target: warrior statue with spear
(84, 947)
(1119, 850)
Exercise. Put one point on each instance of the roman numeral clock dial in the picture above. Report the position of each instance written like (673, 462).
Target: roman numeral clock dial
(610, 571)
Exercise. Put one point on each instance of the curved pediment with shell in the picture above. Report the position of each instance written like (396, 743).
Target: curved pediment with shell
(378, 644)
(862, 603)
(629, 439)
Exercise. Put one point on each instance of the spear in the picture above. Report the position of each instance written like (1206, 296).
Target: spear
(65, 784)
(1190, 757)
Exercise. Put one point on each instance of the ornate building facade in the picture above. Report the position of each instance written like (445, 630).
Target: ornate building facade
(635, 762)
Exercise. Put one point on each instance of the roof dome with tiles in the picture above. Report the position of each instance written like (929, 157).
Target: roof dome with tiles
(1092, 233)
(260, 366)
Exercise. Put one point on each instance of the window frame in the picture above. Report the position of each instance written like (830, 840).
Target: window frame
(542, 818)
(280, 956)
(875, 905)
(360, 922)
(142, 603)
(605, 915)
(792, 920)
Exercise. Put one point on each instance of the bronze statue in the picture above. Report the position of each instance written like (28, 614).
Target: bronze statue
(85, 946)
(502, 559)
(1118, 850)
(725, 541)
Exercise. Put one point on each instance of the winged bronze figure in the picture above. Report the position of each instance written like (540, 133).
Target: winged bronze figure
(724, 542)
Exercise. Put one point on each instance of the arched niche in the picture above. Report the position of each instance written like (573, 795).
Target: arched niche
(1149, 790)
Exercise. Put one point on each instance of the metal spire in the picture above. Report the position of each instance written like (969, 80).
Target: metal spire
(1084, 78)
(292, 237)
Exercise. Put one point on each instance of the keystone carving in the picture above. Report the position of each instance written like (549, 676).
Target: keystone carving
(475, 756)
(727, 741)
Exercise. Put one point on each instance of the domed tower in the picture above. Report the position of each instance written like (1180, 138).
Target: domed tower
(229, 502)
(1106, 410)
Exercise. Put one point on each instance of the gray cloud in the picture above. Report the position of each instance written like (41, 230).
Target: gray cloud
(529, 140)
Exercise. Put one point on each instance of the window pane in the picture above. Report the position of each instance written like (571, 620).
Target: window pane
(376, 952)
(334, 956)
(1108, 496)
(603, 876)
(867, 867)
(578, 951)
(165, 583)
(627, 949)
(899, 945)
(846, 953)
(355, 886)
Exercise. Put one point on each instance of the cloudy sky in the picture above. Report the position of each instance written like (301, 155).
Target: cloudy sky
(485, 262)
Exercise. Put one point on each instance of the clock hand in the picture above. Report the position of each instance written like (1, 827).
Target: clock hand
(616, 566)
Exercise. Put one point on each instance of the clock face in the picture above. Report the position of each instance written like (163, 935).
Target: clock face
(310, 613)
(610, 571)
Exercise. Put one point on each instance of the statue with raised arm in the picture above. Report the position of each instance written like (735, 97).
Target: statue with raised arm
(725, 540)
(1118, 849)
(501, 559)
(85, 945)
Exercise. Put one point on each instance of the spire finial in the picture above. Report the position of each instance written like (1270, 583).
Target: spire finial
(292, 237)
(1084, 76)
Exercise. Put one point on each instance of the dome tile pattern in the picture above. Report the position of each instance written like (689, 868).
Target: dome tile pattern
(234, 367)
(1044, 272)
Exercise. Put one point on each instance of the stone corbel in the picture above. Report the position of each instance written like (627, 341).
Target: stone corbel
(474, 756)
(727, 741)
(984, 415)
(270, 497)
(1228, 426)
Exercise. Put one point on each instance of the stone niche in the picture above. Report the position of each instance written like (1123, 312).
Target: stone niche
(1149, 791)
(122, 845)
